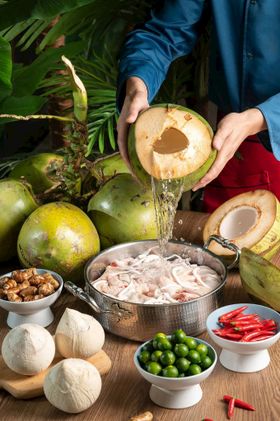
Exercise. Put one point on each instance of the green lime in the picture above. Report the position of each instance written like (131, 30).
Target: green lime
(156, 355)
(178, 336)
(170, 371)
(194, 356)
(206, 361)
(194, 369)
(182, 364)
(148, 347)
(190, 342)
(202, 349)
(159, 335)
(181, 350)
(144, 356)
(164, 344)
(153, 367)
(167, 358)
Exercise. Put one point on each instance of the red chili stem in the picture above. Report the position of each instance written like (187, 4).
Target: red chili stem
(232, 313)
(239, 403)
(231, 408)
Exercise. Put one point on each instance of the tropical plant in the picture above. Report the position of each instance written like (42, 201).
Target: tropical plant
(94, 32)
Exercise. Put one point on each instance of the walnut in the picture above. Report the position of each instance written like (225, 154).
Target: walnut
(23, 275)
(37, 280)
(23, 285)
(13, 297)
(38, 297)
(10, 283)
(14, 290)
(3, 281)
(51, 280)
(29, 298)
(28, 291)
(46, 289)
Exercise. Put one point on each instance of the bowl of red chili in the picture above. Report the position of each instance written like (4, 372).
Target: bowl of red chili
(244, 332)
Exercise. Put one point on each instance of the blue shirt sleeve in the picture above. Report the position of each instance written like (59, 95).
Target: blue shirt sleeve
(148, 52)
(271, 111)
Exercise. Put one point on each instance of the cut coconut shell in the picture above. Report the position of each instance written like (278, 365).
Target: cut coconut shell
(169, 141)
(250, 220)
(260, 278)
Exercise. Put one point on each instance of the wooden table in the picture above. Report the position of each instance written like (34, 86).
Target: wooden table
(125, 392)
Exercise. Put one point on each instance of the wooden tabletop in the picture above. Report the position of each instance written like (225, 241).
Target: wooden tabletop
(125, 393)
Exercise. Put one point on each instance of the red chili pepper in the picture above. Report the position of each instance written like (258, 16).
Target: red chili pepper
(233, 313)
(262, 338)
(245, 317)
(230, 408)
(207, 419)
(245, 323)
(253, 326)
(234, 336)
(239, 403)
(269, 323)
(249, 337)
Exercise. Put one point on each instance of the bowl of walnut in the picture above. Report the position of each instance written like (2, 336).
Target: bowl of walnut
(27, 295)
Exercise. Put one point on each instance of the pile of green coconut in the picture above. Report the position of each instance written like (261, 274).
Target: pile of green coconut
(60, 209)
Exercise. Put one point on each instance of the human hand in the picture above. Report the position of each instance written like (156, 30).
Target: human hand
(136, 100)
(232, 131)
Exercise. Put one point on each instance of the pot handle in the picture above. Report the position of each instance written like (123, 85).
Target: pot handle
(226, 244)
(84, 296)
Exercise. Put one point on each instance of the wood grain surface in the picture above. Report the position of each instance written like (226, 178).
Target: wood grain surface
(125, 393)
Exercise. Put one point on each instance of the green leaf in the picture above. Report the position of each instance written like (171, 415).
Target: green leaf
(101, 140)
(15, 11)
(111, 134)
(5, 68)
(27, 78)
(21, 106)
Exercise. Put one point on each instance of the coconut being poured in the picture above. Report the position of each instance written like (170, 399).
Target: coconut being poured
(154, 277)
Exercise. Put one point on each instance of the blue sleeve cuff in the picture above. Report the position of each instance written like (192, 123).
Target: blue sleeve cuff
(271, 112)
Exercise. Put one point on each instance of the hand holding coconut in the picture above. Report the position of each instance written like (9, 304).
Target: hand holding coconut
(233, 129)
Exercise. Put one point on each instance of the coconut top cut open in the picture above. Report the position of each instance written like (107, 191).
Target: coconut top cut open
(250, 220)
(170, 141)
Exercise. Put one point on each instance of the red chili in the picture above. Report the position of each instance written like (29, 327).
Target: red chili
(269, 323)
(245, 323)
(231, 408)
(207, 419)
(251, 335)
(262, 338)
(234, 336)
(245, 317)
(239, 403)
(232, 313)
(253, 326)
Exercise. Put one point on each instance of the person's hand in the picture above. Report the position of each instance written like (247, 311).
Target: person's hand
(136, 100)
(232, 131)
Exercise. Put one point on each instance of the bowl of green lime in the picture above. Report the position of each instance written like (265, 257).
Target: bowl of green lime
(175, 365)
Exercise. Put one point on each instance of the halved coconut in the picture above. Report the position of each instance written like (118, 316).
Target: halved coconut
(169, 141)
(250, 220)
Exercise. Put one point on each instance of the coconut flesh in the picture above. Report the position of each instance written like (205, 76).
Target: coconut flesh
(171, 142)
(249, 220)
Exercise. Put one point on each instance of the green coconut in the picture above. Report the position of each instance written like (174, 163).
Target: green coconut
(169, 141)
(39, 170)
(260, 278)
(122, 211)
(16, 203)
(58, 236)
(108, 167)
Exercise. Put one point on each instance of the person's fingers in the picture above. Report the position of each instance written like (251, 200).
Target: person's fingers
(138, 104)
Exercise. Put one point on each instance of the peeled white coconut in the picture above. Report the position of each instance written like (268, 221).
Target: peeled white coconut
(28, 349)
(72, 385)
(78, 335)
(250, 220)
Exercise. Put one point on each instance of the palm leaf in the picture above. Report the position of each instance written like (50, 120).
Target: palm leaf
(5, 68)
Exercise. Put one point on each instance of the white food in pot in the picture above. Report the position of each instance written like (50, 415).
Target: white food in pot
(78, 335)
(72, 385)
(28, 349)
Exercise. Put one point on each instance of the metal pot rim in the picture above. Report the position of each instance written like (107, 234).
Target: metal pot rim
(118, 301)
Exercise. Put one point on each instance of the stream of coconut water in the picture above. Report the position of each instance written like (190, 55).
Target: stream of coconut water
(166, 195)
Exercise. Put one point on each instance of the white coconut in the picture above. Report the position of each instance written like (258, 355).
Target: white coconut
(28, 349)
(72, 385)
(78, 335)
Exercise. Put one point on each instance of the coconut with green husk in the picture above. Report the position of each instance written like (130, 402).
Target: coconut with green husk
(58, 236)
(170, 142)
(17, 202)
(260, 278)
(250, 220)
(39, 170)
(123, 210)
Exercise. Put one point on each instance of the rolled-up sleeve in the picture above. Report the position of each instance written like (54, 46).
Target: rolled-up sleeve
(271, 112)
(170, 33)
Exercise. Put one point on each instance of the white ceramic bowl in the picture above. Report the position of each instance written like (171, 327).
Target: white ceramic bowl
(38, 311)
(176, 393)
(244, 357)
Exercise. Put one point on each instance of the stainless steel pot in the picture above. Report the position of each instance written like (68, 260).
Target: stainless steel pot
(140, 322)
